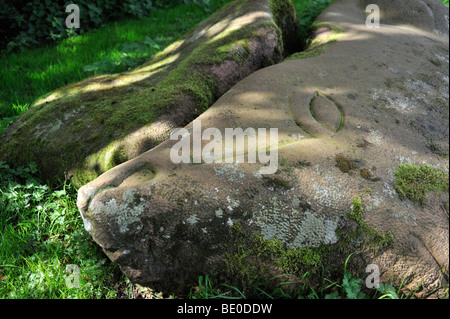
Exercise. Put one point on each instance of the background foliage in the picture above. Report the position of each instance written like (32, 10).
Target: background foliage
(115, 46)
(24, 24)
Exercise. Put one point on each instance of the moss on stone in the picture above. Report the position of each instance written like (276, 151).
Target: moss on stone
(286, 18)
(319, 45)
(336, 30)
(367, 174)
(436, 149)
(367, 236)
(345, 164)
(277, 182)
(103, 110)
(415, 181)
(311, 52)
(84, 176)
(251, 259)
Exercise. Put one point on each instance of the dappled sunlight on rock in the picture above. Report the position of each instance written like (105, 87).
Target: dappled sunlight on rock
(107, 82)
(82, 130)
(345, 115)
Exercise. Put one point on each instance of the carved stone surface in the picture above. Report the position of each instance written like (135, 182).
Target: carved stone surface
(376, 98)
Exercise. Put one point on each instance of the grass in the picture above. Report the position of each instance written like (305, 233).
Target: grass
(350, 287)
(41, 234)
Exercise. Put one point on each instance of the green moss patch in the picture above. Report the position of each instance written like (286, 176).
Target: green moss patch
(415, 181)
(277, 182)
(367, 174)
(252, 259)
(368, 237)
(345, 164)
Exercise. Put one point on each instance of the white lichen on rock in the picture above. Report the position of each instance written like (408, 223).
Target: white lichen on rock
(293, 228)
(314, 231)
(126, 213)
(408, 217)
(233, 203)
(328, 195)
(394, 100)
(389, 190)
(219, 213)
(229, 172)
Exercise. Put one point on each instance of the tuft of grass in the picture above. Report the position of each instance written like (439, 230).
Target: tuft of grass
(415, 181)
(206, 289)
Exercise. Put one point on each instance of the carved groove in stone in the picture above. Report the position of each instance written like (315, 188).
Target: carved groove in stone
(316, 113)
(326, 112)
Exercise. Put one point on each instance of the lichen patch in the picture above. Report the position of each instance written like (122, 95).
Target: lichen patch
(126, 214)
(284, 222)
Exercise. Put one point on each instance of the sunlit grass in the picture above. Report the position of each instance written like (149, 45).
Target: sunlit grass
(41, 233)
(26, 75)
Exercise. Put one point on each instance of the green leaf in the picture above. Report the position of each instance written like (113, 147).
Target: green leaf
(4, 165)
(333, 295)
(351, 285)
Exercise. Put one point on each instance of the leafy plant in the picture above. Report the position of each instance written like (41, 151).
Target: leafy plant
(387, 291)
(351, 284)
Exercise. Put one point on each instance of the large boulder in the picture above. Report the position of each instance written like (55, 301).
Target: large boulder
(86, 128)
(357, 114)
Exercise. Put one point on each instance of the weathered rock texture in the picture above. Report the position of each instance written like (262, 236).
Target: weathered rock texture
(347, 117)
(86, 128)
